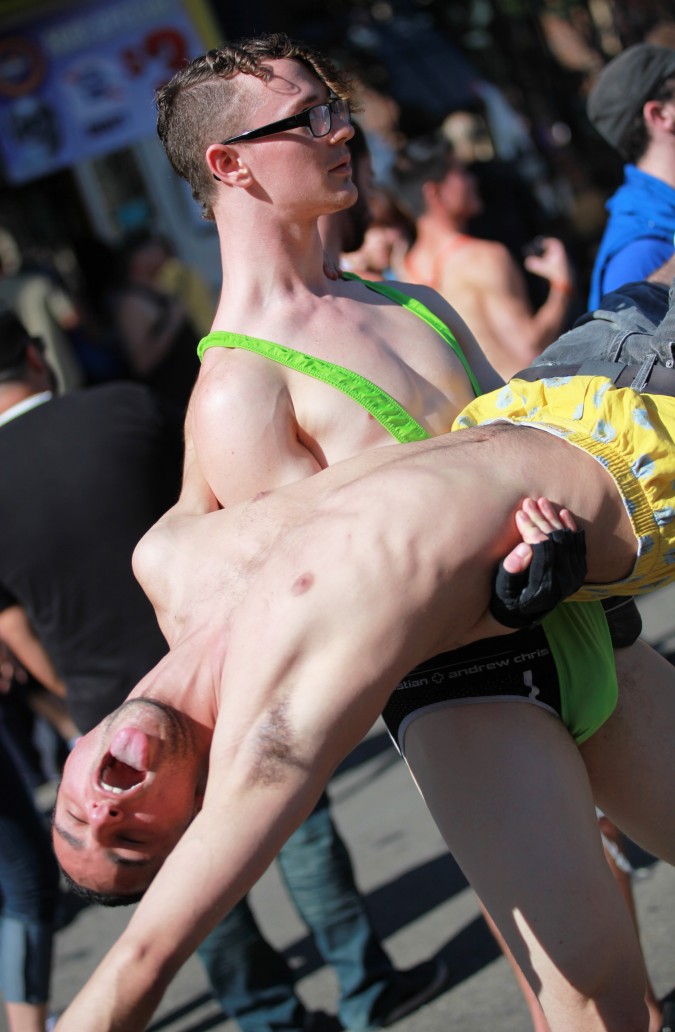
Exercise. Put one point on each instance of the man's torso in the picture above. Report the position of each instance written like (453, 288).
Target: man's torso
(362, 332)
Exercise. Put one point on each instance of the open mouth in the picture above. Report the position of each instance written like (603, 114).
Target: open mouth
(117, 776)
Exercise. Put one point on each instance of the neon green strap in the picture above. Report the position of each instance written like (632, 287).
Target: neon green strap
(385, 409)
(392, 416)
(420, 310)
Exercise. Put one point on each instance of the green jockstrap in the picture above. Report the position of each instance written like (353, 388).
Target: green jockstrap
(581, 645)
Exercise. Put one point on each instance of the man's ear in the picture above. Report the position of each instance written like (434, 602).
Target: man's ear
(227, 166)
(430, 193)
(659, 114)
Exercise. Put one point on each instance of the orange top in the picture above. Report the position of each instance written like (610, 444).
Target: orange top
(435, 278)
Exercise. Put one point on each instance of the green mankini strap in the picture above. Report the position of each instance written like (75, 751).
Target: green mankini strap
(385, 409)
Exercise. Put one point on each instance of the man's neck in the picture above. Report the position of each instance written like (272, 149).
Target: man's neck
(266, 263)
(184, 684)
(434, 232)
(659, 160)
(16, 398)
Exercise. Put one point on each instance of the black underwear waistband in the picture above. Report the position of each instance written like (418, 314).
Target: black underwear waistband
(513, 666)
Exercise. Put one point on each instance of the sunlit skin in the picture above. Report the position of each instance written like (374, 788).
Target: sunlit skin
(273, 169)
(291, 613)
(458, 191)
(113, 822)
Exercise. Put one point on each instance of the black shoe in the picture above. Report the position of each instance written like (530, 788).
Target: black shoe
(320, 1021)
(410, 990)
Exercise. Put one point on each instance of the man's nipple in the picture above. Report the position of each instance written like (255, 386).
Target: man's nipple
(302, 584)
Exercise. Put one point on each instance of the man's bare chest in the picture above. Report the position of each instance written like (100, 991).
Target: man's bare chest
(356, 376)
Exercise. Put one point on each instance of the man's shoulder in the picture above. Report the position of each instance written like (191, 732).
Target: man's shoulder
(474, 265)
(103, 410)
(471, 249)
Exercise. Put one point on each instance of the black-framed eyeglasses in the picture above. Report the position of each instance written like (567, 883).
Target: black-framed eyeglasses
(318, 119)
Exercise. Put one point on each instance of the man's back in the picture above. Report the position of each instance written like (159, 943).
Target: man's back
(84, 475)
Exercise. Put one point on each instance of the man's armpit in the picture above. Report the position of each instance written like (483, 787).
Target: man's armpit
(275, 747)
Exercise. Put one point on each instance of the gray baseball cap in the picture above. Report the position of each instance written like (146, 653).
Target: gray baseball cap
(625, 85)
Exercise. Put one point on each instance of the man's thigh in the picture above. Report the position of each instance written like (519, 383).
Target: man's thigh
(631, 760)
(508, 790)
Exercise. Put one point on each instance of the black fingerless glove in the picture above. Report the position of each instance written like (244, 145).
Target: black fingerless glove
(557, 570)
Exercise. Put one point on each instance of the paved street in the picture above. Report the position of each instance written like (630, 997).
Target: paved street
(419, 899)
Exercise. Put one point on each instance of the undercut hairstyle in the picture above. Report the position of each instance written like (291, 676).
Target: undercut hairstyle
(203, 103)
(422, 161)
(103, 899)
(635, 140)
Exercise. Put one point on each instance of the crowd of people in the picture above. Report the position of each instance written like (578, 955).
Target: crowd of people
(352, 316)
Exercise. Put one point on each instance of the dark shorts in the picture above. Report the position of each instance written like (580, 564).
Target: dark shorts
(565, 665)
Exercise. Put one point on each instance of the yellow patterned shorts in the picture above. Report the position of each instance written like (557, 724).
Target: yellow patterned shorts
(630, 434)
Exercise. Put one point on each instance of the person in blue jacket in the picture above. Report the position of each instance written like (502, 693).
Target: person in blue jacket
(632, 106)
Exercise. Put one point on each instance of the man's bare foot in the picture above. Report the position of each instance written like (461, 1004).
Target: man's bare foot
(535, 520)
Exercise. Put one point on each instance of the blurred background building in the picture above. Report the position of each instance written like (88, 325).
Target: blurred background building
(506, 80)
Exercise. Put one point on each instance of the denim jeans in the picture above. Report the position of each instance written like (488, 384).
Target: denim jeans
(630, 325)
(253, 982)
(28, 889)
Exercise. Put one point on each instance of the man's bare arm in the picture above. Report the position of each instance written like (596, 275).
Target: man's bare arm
(665, 274)
(243, 430)
(274, 750)
(17, 632)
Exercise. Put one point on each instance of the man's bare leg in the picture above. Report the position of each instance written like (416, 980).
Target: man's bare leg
(630, 759)
(26, 1017)
(539, 1022)
(508, 790)
(612, 836)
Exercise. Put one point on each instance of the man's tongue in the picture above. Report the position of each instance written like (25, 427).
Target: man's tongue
(129, 750)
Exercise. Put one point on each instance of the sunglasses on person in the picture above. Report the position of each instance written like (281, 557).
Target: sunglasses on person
(318, 119)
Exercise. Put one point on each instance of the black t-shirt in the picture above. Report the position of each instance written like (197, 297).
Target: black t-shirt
(83, 477)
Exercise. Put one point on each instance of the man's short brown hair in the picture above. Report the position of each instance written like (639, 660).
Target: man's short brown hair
(201, 103)
(425, 160)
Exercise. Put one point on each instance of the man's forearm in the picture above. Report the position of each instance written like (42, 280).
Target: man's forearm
(18, 634)
(121, 995)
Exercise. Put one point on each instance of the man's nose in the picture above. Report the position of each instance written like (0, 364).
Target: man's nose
(103, 811)
(341, 129)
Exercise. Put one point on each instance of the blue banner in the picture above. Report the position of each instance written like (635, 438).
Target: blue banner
(80, 83)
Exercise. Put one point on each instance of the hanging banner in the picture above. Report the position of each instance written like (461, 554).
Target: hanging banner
(80, 83)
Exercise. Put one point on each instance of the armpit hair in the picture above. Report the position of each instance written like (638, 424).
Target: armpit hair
(275, 747)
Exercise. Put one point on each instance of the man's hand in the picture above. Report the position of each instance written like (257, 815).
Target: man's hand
(552, 263)
(544, 569)
(536, 520)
